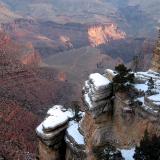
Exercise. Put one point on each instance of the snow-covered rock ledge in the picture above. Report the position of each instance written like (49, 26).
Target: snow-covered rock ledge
(75, 141)
(51, 131)
(97, 92)
(59, 129)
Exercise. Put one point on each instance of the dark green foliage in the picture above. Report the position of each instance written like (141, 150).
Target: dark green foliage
(107, 153)
(149, 148)
(76, 108)
(124, 78)
(150, 86)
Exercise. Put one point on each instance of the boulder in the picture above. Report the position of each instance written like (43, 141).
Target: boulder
(97, 94)
(52, 130)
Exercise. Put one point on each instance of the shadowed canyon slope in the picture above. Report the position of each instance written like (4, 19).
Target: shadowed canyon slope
(25, 93)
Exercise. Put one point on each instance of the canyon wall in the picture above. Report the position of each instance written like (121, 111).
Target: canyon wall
(156, 57)
(102, 34)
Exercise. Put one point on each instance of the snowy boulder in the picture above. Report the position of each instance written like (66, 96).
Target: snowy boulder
(97, 94)
(53, 122)
(99, 81)
(52, 130)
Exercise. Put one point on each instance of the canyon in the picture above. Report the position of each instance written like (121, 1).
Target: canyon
(48, 48)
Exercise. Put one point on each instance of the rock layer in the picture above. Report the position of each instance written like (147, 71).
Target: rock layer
(155, 66)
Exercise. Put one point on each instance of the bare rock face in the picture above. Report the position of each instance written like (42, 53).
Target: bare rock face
(156, 57)
(126, 126)
(47, 153)
(101, 34)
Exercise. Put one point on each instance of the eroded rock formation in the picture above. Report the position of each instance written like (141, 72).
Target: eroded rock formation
(101, 34)
(109, 119)
(156, 56)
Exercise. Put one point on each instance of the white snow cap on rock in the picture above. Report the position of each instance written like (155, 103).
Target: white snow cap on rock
(98, 80)
(57, 116)
(53, 122)
(55, 110)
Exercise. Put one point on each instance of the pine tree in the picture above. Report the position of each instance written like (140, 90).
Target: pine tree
(149, 148)
(150, 86)
(107, 153)
(124, 78)
(76, 109)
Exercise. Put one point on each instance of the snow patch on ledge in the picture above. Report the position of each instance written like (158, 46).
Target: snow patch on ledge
(155, 98)
(99, 81)
(55, 110)
(74, 133)
(141, 87)
(57, 116)
(128, 154)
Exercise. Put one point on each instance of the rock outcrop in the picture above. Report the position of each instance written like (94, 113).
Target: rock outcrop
(109, 121)
(156, 57)
(97, 94)
(52, 132)
(113, 122)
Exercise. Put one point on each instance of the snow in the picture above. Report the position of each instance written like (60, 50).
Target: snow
(39, 129)
(111, 72)
(52, 111)
(87, 100)
(52, 122)
(87, 84)
(60, 109)
(141, 99)
(147, 75)
(74, 133)
(57, 117)
(148, 108)
(141, 87)
(40, 132)
(128, 154)
(155, 98)
(99, 81)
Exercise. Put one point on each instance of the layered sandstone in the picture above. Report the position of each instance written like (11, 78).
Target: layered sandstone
(101, 34)
(156, 57)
